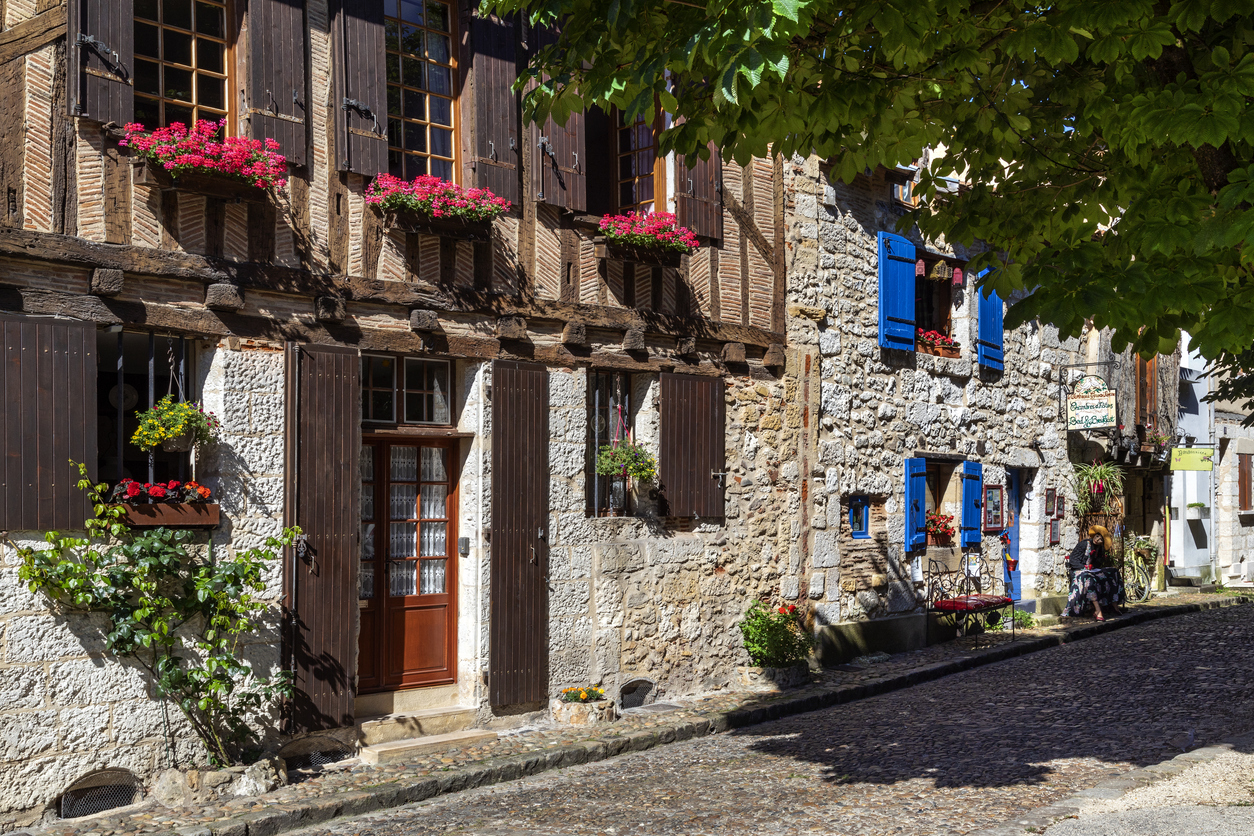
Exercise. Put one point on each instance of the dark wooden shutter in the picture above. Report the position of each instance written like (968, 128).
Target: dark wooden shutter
(559, 173)
(916, 504)
(518, 661)
(48, 418)
(323, 445)
(990, 333)
(699, 194)
(278, 100)
(359, 60)
(692, 460)
(1245, 481)
(896, 257)
(972, 504)
(99, 73)
(496, 106)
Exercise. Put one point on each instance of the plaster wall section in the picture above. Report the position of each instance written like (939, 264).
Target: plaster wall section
(1234, 530)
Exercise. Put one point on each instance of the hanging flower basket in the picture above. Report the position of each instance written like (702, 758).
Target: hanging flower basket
(180, 443)
(170, 421)
(431, 206)
(201, 160)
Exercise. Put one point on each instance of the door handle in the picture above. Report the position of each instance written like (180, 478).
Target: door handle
(533, 555)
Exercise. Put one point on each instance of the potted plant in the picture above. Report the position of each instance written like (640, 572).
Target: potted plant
(940, 528)
(654, 238)
(1098, 486)
(624, 460)
(1155, 442)
(779, 647)
(1196, 511)
(583, 706)
(435, 207)
(202, 160)
(175, 425)
(934, 342)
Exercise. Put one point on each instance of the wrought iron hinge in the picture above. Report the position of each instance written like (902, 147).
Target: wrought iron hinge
(363, 109)
(96, 44)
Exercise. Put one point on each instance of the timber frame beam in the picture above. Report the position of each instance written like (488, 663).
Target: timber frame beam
(167, 264)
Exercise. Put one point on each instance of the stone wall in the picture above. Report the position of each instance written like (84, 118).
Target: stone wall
(67, 708)
(1234, 531)
(879, 407)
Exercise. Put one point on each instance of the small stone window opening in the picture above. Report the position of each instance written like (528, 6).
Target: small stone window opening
(944, 492)
(637, 693)
(610, 420)
(104, 790)
(860, 517)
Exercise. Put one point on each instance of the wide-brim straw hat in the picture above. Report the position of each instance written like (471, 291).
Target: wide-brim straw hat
(1106, 541)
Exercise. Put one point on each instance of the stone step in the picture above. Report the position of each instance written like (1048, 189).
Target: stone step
(399, 750)
(411, 724)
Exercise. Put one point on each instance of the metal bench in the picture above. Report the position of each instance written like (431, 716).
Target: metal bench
(961, 584)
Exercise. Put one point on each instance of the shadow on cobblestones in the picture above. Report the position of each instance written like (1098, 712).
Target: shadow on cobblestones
(1130, 697)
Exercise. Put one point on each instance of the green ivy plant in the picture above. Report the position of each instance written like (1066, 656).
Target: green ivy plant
(178, 616)
(775, 639)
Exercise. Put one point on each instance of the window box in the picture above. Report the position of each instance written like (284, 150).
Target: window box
(636, 255)
(173, 515)
(219, 186)
(939, 350)
(439, 227)
(939, 540)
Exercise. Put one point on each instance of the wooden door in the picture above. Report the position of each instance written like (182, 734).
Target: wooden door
(518, 662)
(323, 437)
(408, 564)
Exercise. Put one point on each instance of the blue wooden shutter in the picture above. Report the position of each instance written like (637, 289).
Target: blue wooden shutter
(972, 499)
(916, 504)
(990, 339)
(896, 292)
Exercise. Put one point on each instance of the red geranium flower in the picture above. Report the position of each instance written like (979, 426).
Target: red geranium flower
(133, 489)
(792, 608)
(156, 492)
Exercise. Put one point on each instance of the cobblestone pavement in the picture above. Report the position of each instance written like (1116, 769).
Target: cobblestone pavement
(880, 727)
(948, 756)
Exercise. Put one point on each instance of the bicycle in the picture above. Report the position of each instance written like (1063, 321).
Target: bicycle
(1136, 575)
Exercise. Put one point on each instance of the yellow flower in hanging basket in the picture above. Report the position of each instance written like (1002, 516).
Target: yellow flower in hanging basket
(171, 419)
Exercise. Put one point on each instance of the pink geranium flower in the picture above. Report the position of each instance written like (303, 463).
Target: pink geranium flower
(654, 230)
(203, 148)
(429, 195)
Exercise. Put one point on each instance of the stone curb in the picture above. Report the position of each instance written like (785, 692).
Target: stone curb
(280, 818)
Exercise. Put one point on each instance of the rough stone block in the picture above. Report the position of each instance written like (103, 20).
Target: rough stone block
(775, 357)
(734, 353)
(790, 587)
(686, 346)
(106, 282)
(574, 333)
(826, 552)
(27, 735)
(224, 296)
(633, 340)
(421, 321)
(330, 308)
(817, 583)
(511, 328)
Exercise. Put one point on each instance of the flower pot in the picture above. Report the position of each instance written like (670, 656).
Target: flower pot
(617, 498)
(172, 515)
(180, 443)
(938, 350)
(636, 255)
(1012, 563)
(408, 221)
(206, 184)
(773, 679)
(940, 539)
(583, 713)
(1197, 513)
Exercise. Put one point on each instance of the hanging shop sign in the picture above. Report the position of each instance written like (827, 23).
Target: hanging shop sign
(1092, 406)
(1192, 458)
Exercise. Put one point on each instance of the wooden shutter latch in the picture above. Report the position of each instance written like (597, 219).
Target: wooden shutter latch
(721, 476)
(360, 107)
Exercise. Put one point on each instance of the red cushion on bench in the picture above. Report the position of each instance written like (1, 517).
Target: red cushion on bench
(970, 603)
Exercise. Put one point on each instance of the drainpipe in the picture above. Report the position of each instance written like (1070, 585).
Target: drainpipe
(478, 621)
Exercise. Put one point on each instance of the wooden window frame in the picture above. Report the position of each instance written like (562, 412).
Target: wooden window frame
(229, 111)
(660, 174)
(454, 126)
(942, 304)
(400, 416)
(1245, 483)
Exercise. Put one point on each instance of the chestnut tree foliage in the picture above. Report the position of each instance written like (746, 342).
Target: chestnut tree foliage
(1107, 144)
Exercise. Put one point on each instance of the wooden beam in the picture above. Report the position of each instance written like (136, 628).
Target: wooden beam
(33, 34)
(170, 264)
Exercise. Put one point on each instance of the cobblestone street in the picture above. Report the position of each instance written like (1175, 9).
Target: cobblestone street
(950, 756)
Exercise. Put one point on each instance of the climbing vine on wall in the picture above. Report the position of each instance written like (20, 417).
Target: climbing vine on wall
(179, 614)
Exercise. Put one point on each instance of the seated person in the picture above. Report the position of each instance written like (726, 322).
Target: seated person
(1093, 582)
